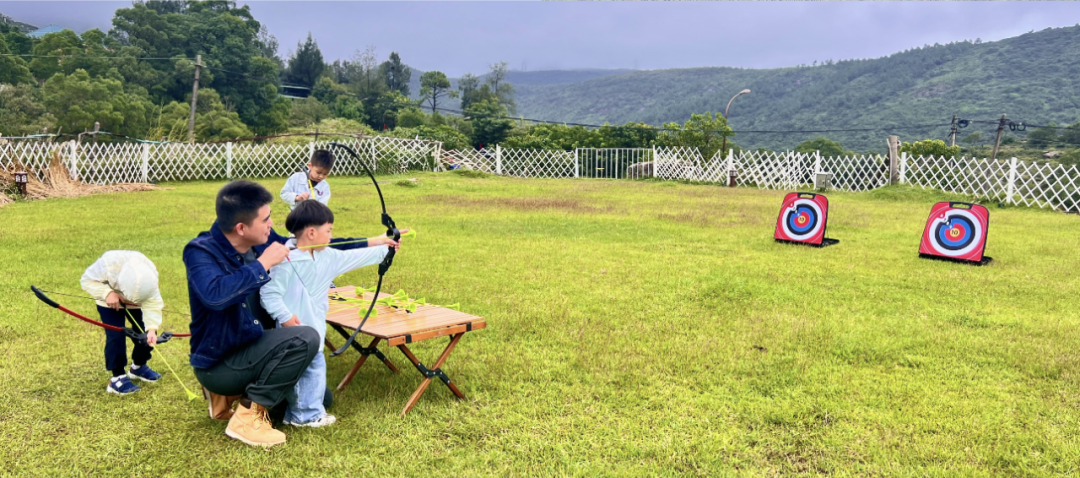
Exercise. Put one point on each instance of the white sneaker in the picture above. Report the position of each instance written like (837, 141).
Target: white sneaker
(322, 421)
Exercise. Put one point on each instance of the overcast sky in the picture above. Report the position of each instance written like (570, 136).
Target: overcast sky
(462, 37)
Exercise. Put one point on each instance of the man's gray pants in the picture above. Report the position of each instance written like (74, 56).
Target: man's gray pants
(265, 370)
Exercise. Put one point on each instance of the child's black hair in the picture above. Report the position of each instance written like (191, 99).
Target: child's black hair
(309, 213)
(239, 202)
(323, 159)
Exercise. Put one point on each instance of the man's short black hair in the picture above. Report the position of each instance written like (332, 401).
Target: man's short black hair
(323, 159)
(240, 201)
(309, 213)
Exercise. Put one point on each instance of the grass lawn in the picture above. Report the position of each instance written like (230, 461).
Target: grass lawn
(634, 328)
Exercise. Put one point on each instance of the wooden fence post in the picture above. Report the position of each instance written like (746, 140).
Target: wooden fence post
(894, 158)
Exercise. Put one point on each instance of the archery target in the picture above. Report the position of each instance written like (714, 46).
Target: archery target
(802, 218)
(956, 230)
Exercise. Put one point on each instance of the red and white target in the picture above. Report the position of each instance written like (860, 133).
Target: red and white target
(957, 231)
(803, 217)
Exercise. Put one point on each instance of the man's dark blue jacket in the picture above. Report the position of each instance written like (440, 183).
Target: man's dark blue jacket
(218, 285)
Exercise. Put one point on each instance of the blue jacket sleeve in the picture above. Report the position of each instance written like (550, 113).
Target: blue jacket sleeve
(217, 289)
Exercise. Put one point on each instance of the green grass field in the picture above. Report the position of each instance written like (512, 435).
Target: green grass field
(635, 328)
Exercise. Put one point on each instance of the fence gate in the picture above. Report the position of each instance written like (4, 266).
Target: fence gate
(613, 163)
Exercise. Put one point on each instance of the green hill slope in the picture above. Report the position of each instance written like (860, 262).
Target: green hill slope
(1033, 78)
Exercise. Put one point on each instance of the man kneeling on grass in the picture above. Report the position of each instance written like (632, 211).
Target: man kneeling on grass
(296, 296)
(231, 352)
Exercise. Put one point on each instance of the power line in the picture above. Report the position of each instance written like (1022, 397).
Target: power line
(60, 57)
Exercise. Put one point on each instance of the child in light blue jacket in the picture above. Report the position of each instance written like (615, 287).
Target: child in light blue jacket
(297, 296)
(310, 184)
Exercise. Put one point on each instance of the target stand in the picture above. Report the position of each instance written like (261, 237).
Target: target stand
(956, 232)
(802, 220)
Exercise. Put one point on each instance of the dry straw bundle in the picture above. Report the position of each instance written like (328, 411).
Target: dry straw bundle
(57, 182)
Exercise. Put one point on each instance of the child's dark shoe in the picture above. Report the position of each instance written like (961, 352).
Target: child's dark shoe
(144, 373)
(122, 386)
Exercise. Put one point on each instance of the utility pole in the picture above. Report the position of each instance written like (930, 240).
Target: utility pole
(952, 142)
(997, 141)
(194, 100)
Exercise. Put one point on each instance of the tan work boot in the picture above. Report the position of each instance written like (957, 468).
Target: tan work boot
(252, 426)
(221, 406)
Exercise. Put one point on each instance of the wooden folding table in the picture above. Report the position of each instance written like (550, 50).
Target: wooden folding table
(400, 328)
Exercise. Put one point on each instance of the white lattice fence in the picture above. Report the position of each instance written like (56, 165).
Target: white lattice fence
(109, 163)
(1045, 185)
(677, 162)
(35, 155)
(536, 163)
(186, 162)
(982, 178)
(475, 159)
(1015, 182)
(853, 173)
(769, 170)
(613, 163)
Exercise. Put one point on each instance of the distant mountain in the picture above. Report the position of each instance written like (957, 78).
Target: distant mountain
(1033, 78)
(24, 27)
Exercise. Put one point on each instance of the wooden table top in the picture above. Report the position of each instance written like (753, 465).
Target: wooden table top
(392, 322)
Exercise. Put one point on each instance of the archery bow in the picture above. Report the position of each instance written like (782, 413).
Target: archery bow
(135, 335)
(391, 231)
(190, 395)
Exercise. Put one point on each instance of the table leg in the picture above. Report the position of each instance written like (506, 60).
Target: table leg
(428, 374)
(367, 351)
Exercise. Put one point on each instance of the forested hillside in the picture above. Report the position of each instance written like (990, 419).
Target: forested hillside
(1033, 78)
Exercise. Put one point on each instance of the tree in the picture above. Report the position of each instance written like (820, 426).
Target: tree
(502, 89)
(395, 74)
(50, 49)
(342, 104)
(1070, 136)
(435, 85)
(308, 111)
(213, 120)
(703, 131)
(78, 101)
(826, 146)
(383, 111)
(972, 139)
(368, 83)
(489, 126)
(306, 64)
(225, 35)
(1042, 137)
(22, 111)
(410, 118)
(930, 148)
(467, 86)
(268, 46)
(13, 69)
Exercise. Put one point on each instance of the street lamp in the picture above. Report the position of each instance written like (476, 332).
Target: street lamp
(723, 147)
